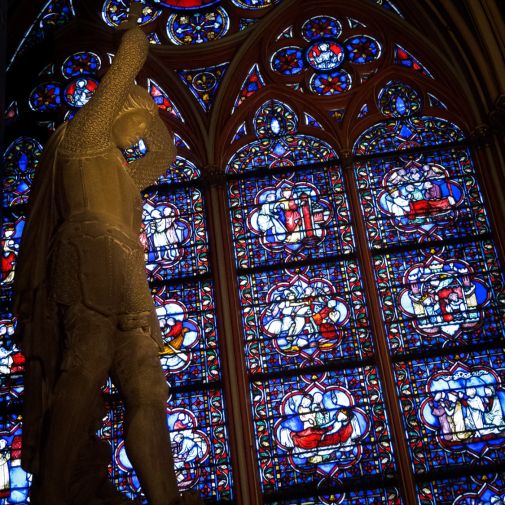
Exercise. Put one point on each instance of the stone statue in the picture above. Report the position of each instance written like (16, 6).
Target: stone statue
(82, 300)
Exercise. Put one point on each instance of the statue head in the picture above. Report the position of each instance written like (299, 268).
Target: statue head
(134, 119)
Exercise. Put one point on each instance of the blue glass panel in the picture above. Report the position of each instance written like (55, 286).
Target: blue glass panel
(81, 63)
(308, 317)
(488, 489)
(398, 99)
(288, 60)
(388, 5)
(289, 217)
(435, 102)
(398, 135)
(14, 481)
(254, 4)
(45, 97)
(199, 444)
(321, 27)
(331, 84)
(453, 408)
(384, 496)
(362, 49)
(241, 131)
(188, 324)
(174, 234)
(441, 298)
(431, 196)
(321, 428)
(311, 121)
(20, 160)
(135, 152)
(181, 170)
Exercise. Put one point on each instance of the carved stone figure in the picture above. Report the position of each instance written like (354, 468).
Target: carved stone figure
(82, 300)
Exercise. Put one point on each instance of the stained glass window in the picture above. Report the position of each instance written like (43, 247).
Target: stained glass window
(339, 324)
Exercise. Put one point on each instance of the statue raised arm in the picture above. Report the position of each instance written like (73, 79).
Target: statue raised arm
(82, 300)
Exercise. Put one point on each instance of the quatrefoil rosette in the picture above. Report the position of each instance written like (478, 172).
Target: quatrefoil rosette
(329, 55)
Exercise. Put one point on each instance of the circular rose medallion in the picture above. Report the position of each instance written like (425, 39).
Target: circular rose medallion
(325, 55)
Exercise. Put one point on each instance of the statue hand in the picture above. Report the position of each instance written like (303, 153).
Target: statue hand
(133, 15)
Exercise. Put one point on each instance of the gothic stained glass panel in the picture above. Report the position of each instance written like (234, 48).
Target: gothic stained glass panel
(303, 317)
(453, 408)
(204, 83)
(174, 234)
(162, 100)
(252, 83)
(488, 489)
(432, 196)
(398, 135)
(20, 160)
(280, 152)
(12, 228)
(383, 496)
(289, 217)
(12, 364)
(14, 481)
(199, 438)
(441, 297)
(54, 14)
(404, 58)
(188, 324)
(181, 170)
(321, 430)
(278, 145)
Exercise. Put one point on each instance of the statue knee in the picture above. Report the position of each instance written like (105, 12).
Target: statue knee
(146, 390)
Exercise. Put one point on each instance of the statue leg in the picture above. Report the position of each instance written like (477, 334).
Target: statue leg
(75, 403)
(138, 373)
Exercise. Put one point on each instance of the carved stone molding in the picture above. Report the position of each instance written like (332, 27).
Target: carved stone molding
(213, 175)
(480, 135)
(346, 159)
(497, 115)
